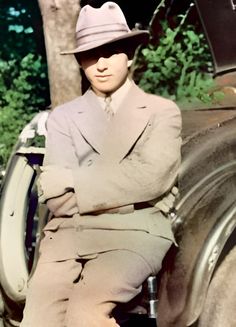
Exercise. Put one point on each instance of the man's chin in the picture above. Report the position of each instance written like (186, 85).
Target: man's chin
(104, 90)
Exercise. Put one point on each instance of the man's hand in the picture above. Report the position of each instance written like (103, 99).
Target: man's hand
(168, 201)
(54, 181)
(64, 205)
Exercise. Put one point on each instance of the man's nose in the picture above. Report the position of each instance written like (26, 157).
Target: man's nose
(101, 63)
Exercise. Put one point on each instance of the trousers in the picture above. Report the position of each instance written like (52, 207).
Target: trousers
(83, 293)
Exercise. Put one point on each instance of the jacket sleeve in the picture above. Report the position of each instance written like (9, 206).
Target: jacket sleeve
(64, 205)
(55, 183)
(146, 173)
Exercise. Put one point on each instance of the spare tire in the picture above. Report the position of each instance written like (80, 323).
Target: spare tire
(19, 229)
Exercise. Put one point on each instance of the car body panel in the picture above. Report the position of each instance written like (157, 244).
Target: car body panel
(218, 20)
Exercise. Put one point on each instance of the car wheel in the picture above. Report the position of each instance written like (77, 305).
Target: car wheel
(220, 305)
(19, 230)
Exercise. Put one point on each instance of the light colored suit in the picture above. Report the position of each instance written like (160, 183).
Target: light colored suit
(100, 180)
(132, 159)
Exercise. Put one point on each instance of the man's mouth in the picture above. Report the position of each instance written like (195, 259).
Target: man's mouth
(103, 76)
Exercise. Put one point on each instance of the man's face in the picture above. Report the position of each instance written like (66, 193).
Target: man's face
(106, 68)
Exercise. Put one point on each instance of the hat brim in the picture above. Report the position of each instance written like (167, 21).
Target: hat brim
(137, 37)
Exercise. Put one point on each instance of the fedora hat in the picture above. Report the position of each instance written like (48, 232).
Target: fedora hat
(99, 26)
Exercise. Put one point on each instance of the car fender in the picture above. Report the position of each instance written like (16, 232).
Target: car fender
(206, 219)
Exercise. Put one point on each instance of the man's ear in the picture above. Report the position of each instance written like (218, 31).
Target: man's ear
(129, 63)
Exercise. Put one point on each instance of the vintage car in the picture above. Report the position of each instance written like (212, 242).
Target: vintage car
(196, 286)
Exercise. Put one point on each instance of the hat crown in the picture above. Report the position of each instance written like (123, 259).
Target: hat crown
(96, 25)
(108, 14)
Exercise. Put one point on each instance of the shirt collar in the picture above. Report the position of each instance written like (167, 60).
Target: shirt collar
(118, 96)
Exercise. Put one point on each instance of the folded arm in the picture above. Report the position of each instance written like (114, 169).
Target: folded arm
(146, 173)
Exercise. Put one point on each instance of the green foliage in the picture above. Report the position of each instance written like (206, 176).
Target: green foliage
(23, 82)
(21, 29)
(179, 67)
(23, 92)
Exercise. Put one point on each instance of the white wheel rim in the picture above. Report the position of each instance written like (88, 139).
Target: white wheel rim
(13, 213)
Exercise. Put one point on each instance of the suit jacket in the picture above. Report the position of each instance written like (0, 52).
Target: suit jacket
(104, 174)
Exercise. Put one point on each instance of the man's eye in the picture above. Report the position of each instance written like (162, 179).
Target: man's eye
(117, 51)
(107, 53)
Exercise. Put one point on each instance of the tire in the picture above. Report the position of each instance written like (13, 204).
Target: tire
(220, 305)
(19, 230)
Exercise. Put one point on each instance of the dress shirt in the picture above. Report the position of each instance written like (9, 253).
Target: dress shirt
(116, 97)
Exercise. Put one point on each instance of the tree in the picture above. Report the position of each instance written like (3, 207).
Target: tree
(23, 77)
(59, 20)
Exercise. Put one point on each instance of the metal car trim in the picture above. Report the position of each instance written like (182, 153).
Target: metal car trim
(233, 5)
(207, 259)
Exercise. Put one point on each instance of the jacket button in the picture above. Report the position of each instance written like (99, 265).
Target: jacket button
(79, 228)
(90, 161)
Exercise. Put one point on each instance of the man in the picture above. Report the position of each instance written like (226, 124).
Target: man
(110, 155)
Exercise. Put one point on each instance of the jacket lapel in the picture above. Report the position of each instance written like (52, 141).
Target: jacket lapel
(113, 139)
(91, 121)
(127, 125)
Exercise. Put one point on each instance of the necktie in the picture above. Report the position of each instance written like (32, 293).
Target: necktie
(108, 108)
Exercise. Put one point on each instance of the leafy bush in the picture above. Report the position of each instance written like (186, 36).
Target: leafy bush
(179, 67)
(23, 92)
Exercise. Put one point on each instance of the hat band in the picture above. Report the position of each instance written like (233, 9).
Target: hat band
(96, 33)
